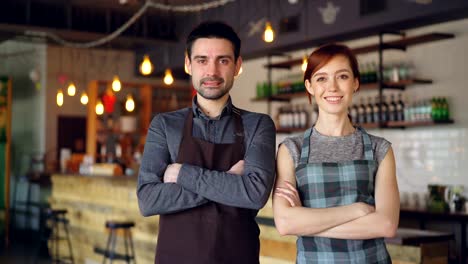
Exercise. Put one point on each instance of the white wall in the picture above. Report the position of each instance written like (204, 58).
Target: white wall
(424, 155)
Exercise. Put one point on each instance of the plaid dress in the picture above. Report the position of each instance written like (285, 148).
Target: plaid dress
(331, 184)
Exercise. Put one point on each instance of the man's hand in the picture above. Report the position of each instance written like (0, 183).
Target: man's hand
(172, 172)
(237, 168)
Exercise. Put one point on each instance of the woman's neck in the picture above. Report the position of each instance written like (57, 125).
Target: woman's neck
(333, 125)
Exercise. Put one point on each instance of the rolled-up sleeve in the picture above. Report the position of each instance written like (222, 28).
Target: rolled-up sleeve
(250, 190)
(154, 196)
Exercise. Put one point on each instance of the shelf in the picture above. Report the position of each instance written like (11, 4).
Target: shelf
(281, 97)
(402, 124)
(367, 86)
(401, 43)
(395, 85)
(289, 130)
(390, 124)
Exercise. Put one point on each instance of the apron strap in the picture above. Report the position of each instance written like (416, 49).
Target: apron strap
(368, 153)
(305, 147)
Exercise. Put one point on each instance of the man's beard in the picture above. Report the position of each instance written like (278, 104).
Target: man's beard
(220, 92)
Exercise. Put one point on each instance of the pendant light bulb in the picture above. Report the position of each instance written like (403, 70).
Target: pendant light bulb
(269, 34)
(116, 85)
(84, 98)
(59, 97)
(99, 107)
(146, 67)
(71, 90)
(129, 103)
(168, 79)
(304, 63)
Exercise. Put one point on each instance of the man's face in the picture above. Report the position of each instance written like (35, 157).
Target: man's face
(213, 67)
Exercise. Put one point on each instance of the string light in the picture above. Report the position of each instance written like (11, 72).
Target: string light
(59, 97)
(84, 98)
(129, 103)
(304, 63)
(269, 34)
(71, 90)
(99, 107)
(126, 25)
(146, 67)
(168, 79)
(116, 85)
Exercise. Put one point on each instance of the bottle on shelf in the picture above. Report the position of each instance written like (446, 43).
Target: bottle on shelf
(369, 111)
(362, 112)
(392, 113)
(400, 109)
(376, 110)
(353, 111)
(384, 110)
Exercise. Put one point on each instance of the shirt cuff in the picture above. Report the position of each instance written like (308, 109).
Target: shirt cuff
(187, 176)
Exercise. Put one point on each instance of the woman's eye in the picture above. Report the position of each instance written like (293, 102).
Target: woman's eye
(344, 77)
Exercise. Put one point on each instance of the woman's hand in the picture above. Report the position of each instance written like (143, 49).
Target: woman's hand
(289, 192)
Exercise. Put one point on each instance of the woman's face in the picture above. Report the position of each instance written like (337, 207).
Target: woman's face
(333, 86)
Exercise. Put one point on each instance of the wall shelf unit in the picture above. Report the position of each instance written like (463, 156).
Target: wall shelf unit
(398, 44)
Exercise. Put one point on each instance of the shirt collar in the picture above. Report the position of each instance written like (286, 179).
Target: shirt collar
(197, 112)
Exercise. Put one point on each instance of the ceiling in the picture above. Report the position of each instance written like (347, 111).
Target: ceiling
(87, 20)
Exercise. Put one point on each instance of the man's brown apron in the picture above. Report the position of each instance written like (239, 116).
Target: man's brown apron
(211, 233)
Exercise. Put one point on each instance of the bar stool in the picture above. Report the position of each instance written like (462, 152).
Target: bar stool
(110, 251)
(57, 217)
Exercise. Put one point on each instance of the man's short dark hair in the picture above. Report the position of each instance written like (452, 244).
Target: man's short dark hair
(214, 29)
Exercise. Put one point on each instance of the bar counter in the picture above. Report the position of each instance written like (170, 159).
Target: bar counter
(93, 200)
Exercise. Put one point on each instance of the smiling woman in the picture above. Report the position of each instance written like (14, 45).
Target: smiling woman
(336, 182)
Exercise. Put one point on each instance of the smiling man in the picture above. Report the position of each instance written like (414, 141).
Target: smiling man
(208, 169)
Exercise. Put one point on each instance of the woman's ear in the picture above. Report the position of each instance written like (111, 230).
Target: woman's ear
(308, 87)
(356, 84)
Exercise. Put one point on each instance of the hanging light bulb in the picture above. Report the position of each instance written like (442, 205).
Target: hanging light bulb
(116, 85)
(304, 63)
(269, 34)
(146, 67)
(168, 79)
(129, 103)
(84, 98)
(71, 90)
(59, 97)
(99, 107)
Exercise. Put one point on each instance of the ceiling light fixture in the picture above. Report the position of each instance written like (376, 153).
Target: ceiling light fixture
(168, 79)
(304, 63)
(99, 107)
(59, 97)
(146, 67)
(129, 103)
(71, 90)
(116, 85)
(269, 34)
(84, 98)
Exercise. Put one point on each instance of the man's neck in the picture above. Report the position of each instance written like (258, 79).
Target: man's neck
(212, 108)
